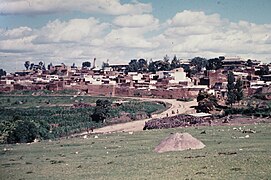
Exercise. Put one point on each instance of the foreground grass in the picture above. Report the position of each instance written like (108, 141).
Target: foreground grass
(131, 156)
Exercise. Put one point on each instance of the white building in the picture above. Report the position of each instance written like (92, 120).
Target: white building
(52, 77)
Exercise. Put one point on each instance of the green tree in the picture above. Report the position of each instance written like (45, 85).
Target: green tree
(206, 102)
(133, 66)
(199, 63)
(264, 70)
(165, 64)
(249, 63)
(231, 95)
(202, 95)
(143, 65)
(41, 65)
(32, 66)
(103, 103)
(86, 64)
(214, 64)
(5, 128)
(239, 90)
(152, 67)
(205, 106)
(73, 65)
(23, 132)
(175, 63)
(101, 111)
(27, 65)
(43, 129)
(2, 73)
(49, 66)
(105, 64)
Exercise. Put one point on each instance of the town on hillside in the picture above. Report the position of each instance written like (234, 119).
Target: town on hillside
(176, 78)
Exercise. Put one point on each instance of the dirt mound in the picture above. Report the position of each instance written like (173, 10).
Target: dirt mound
(179, 142)
(173, 122)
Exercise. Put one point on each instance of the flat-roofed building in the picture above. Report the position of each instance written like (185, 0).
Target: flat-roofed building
(233, 62)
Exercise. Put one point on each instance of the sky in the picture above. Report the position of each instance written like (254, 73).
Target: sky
(74, 31)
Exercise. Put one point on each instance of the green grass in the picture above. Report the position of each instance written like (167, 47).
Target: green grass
(26, 101)
(41, 92)
(125, 156)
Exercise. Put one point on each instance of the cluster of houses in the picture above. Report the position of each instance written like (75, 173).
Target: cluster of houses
(113, 80)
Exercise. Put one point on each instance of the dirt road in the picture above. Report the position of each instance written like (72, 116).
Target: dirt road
(176, 106)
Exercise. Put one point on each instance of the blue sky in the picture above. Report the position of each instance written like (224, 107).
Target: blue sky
(119, 30)
(234, 10)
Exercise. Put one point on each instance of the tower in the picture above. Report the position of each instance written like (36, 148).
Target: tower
(94, 63)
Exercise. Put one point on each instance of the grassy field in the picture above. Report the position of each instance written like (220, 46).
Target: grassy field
(227, 155)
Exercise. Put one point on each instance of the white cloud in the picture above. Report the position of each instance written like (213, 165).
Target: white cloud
(16, 45)
(131, 32)
(15, 33)
(72, 31)
(126, 38)
(16, 40)
(191, 18)
(141, 20)
(34, 7)
(201, 34)
(187, 34)
(189, 23)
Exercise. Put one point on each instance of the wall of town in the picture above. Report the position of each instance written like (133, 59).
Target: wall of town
(100, 90)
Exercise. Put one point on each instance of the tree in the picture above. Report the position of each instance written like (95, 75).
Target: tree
(214, 64)
(2, 73)
(27, 65)
(231, 96)
(43, 130)
(142, 65)
(239, 90)
(205, 106)
(175, 63)
(264, 70)
(165, 64)
(152, 67)
(49, 66)
(31, 66)
(43, 67)
(133, 66)
(103, 103)
(86, 64)
(23, 132)
(206, 102)
(199, 63)
(202, 95)
(105, 64)
(41, 64)
(249, 63)
(101, 111)
(73, 65)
